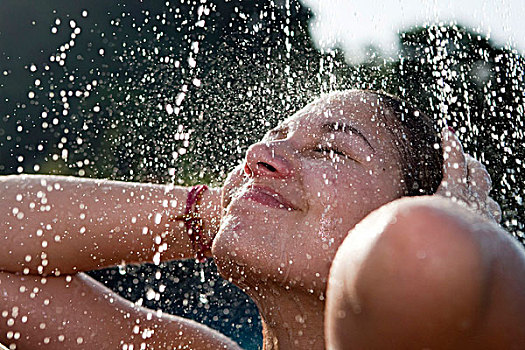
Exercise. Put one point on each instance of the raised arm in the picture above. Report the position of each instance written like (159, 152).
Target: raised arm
(55, 226)
(430, 272)
(62, 225)
(425, 272)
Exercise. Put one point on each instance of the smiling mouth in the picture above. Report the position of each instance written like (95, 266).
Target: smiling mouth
(267, 197)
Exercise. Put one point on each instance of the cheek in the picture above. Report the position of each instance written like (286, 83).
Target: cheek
(348, 195)
(340, 185)
(323, 181)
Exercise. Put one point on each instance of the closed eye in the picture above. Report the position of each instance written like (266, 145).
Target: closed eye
(330, 151)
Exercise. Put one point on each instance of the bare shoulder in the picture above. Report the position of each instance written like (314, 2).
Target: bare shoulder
(430, 274)
(78, 312)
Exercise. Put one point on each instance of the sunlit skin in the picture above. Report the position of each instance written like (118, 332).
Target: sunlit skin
(328, 177)
(283, 215)
(421, 273)
(326, 180)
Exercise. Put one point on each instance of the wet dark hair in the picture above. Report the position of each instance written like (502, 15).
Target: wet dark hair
(417, 142)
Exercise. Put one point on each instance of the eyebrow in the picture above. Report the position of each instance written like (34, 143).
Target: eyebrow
(345, 128)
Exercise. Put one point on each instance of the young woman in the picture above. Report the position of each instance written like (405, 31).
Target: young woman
(276, 225)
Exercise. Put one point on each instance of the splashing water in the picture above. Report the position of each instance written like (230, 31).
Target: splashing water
(177, 91)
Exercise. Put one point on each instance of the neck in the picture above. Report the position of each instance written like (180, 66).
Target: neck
(291, 319)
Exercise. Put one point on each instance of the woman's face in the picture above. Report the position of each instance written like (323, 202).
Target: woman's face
(305, 185)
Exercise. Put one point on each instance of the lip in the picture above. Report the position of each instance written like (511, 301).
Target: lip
(268, 197)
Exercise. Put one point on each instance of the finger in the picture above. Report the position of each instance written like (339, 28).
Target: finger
(494, 209)
(478, 177)
(454, 163)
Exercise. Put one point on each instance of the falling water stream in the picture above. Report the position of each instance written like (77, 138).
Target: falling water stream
(175, 92)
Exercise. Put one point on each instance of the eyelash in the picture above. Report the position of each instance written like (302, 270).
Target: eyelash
(327, 150)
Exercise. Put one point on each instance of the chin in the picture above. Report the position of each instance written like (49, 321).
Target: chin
(235, 253)
(244, 256)
(249, 261)
(225, 249)
(254, 248)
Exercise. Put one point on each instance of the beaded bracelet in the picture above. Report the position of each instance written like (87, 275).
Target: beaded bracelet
(193, 222)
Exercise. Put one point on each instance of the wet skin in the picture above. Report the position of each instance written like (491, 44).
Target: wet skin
(285, 212)
(304, 188)
(294, 200)
(306, 184)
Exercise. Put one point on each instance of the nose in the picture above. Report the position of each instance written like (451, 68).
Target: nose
(264, 159)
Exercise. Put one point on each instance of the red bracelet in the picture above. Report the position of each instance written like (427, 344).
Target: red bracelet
(193, 222)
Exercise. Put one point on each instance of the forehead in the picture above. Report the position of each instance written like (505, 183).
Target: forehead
(355, 108)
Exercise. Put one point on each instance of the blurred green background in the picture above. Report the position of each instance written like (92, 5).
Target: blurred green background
(175, 91)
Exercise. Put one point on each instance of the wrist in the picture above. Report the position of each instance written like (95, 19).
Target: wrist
(201, 219)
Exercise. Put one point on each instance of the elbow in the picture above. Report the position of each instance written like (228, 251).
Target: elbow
(420, 276)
